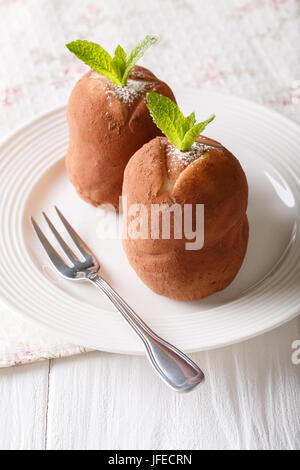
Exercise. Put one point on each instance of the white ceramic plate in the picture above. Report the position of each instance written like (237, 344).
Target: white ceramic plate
(265, 293)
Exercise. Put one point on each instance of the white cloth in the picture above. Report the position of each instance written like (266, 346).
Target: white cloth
(240, 47)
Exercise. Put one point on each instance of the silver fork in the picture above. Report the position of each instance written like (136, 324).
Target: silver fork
(173, 367)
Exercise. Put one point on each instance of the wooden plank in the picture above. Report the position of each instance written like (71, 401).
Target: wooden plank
(107, 401)
(248, 401)
(23, 406)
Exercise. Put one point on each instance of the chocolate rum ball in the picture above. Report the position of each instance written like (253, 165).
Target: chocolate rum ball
(208, 174)
(107, 125)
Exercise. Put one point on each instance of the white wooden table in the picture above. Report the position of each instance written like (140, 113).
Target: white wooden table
(250, 399)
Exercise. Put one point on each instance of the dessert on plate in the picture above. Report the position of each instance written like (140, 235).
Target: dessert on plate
(185, 169)
(108, 119)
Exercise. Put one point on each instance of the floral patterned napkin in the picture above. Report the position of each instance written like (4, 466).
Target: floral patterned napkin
(239, 47)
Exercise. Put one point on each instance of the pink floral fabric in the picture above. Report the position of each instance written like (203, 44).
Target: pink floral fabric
(240, 47)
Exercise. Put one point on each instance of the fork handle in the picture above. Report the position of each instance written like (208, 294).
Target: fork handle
(174, 367)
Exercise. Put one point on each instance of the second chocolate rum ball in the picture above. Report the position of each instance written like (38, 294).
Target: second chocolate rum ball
(184, 169)
(210, 175)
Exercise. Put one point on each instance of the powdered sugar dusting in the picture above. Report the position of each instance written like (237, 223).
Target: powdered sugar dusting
(177, 158)
(129, 93)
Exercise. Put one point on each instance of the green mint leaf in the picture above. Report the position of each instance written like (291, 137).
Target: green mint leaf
(167, 116)
(117, 68)
(192, 134)
(189, 122)
(137, 52)
(118, 63)
(181, 131)
(121, 54)
(96, 57)
(117, 71)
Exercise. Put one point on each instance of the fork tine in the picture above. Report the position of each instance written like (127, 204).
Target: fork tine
(72, 257)
(51, 252)
(83, 248)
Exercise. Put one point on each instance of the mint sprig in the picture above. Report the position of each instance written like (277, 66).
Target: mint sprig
(181, 131)
(117, 68)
